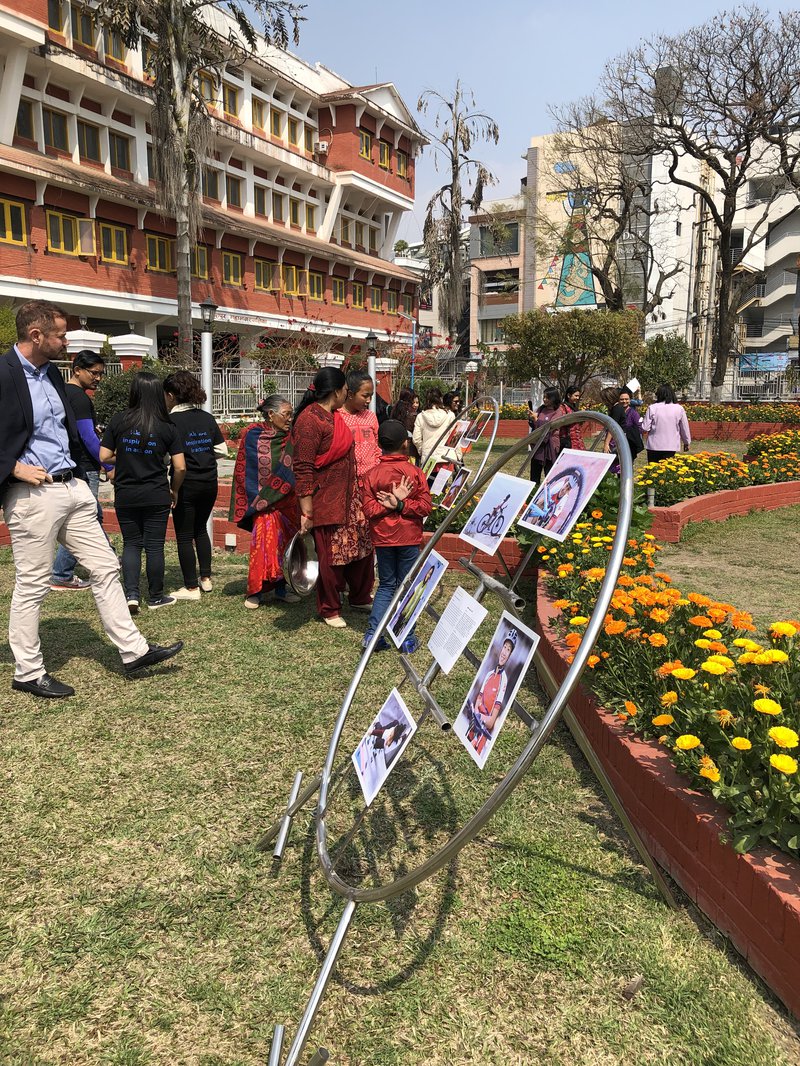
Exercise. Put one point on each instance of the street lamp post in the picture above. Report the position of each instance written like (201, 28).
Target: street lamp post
(413, 322)
(372, 342)
(207, 309)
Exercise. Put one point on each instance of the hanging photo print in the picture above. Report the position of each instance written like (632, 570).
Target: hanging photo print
(456, 485)
(565, 491)
(476, 427)
(495, 512)
(382, 745)
(495, 687)
(440, 482)
(413, 603)
(456, 433)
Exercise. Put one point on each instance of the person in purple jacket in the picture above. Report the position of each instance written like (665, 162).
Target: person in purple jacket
(665, 426)
(88, 369)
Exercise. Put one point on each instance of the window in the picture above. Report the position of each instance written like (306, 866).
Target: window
(198, 258)
(82, 26)
(260, 197)
(383, 154)
(289, 279)
(407, 303)
(376, 298)
(150, 164)
(373, 240)
(359, 234)
(24, 126)
(365, 144)
(115, 46)
(491, 330)
(113, 243)
(119, 151)
(233, 190)
(210, 183)
(159, 254)
(337, 290)
(311, 217)
(316, 286)
(391, 302)
(500, 239)
(230, 100)
(294, 131)
(259, 113)
(294, 212)
(277, 207)
(344, 231)
(148, 57)
(55, 18)
(89, 141)
(207, 87)
(308, 136)
(70, 235)
(276, 123)
(55, 130)
(12, 222)
(231, 268)
(358, 294)
(266, 275)
(402, 164)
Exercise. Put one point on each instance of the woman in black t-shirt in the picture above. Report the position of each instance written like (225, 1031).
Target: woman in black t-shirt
(138, 441)
(202, 446)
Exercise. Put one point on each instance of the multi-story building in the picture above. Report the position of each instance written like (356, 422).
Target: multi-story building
(306, 184)
(496, 253)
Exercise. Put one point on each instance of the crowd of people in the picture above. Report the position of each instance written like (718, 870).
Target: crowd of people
(357, 481)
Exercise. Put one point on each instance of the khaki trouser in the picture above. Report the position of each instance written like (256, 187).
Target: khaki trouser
(36, 517)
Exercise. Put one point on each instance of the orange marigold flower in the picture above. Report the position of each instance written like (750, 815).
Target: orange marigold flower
(699, 600)
(597, 514)
(658, 614)
(631, 708)
(700, 620)
(666, 668)
(615, 626)
(658, 640)
(762, 690)
(592, 661)
(663, 719)
(711, 772)
(724, 717)
(716, 614)
(572, 640)
(561, 604)
(669, 698)
(662, 576)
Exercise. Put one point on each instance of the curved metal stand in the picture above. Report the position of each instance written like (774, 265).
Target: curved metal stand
(540, 730)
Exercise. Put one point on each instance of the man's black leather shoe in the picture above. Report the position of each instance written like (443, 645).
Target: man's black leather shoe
(45, 686)
(157, 654)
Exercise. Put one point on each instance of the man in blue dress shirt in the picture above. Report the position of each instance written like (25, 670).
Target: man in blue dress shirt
(45, 499)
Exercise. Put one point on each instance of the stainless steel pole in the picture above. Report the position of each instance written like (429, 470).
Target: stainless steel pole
(371, 362)
(207, 384)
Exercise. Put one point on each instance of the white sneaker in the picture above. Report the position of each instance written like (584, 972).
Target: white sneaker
(252, 603)
(206, 584)
(337, 622)
(186, 594)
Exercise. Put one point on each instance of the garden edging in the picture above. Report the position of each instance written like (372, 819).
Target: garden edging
(669, 522)
(753, 899)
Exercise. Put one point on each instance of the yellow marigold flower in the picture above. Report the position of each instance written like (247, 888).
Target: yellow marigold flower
(702, 643)
(578, 620)
(687, 741)
(724, 717)
(784, 764)
(666, 668)
(723, 660)
(782, 629)
(663, 719)
(710, 772)
(767, 706)
(741, 744)
(784, 737)
(684, 673)
(658, 640)
(631, 708)
(669, 698)
(771, 656)
(747, 644)
(712, 634)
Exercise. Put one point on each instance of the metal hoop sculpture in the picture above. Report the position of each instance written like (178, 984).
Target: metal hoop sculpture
(540, 731)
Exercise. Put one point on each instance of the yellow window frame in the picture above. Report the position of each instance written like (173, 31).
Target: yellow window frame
(119, 139)
(207, 87)
(114, 45)
(407, 303)
(83, 145)
(376, 298)
(266, 276)
(78, 13)
(113, 233)
(277, 201)
(294, 211)
(48, 114)
(316, 286)
(293, 131)
(308, 138)
(391, 302)
(365, 144)
(276, 123)
(232, 268)
(259, 113)
(358, 294)
(232, 182)
(402, 164)
(289, 279)
(359, 234)
(7, 209)
(338, 291)
(383, 154)
(156, 244)
(81, 234)
(230, 95)
(311, 217)
(198, 261)
(344, 231)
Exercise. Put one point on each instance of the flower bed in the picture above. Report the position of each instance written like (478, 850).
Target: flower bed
(685, 475)
(775, 444)
(788, 413)
(726, 707)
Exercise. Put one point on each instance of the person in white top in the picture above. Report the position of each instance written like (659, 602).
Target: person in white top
(665, 426)
(429, 436)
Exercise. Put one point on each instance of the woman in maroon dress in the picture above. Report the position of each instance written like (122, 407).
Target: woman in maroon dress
(330, 503)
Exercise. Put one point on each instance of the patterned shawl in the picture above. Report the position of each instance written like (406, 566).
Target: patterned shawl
(263, 475)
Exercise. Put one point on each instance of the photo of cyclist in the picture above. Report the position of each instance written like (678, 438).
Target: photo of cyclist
(565, 492)
(495, 512)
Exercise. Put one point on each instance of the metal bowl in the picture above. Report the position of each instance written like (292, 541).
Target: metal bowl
(300, 564)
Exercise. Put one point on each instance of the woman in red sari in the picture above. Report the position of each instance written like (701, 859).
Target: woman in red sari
(263, 499)
(329, 498)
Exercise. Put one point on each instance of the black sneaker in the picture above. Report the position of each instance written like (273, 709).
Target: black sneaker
(133, 605)
(162, 601)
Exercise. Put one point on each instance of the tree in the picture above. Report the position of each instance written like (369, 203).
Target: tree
(457, 127)
(8, 329)
(715, 103)
(182, 43)
(666, 360)
(571, 347)
(401, 247)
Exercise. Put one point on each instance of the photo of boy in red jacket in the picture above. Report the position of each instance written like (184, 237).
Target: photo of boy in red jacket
(396, 501)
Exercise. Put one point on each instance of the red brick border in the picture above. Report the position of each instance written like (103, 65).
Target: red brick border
(668, 522)
(736, 430)
(753, 899)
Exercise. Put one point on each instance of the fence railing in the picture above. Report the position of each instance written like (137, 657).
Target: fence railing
(236, 391)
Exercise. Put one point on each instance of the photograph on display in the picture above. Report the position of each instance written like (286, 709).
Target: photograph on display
(456, 485)
(413, 603)
(382, 745)
(477, 426)
(495, 687)
(457, 432)
(495, 512)
(441, 481)
(565, 491)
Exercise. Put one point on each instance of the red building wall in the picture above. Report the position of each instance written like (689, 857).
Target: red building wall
(344, 148)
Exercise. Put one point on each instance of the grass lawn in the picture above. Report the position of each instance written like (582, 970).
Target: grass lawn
(750, 560)
(139, 926)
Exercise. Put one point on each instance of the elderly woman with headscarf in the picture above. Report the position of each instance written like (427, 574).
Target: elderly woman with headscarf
(263, 500)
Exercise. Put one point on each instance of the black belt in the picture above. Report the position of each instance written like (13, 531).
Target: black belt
(63, 475)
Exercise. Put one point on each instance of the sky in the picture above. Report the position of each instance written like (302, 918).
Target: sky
(517, 56)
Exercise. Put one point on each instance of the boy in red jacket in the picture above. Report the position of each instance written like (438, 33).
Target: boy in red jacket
(396, 500)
